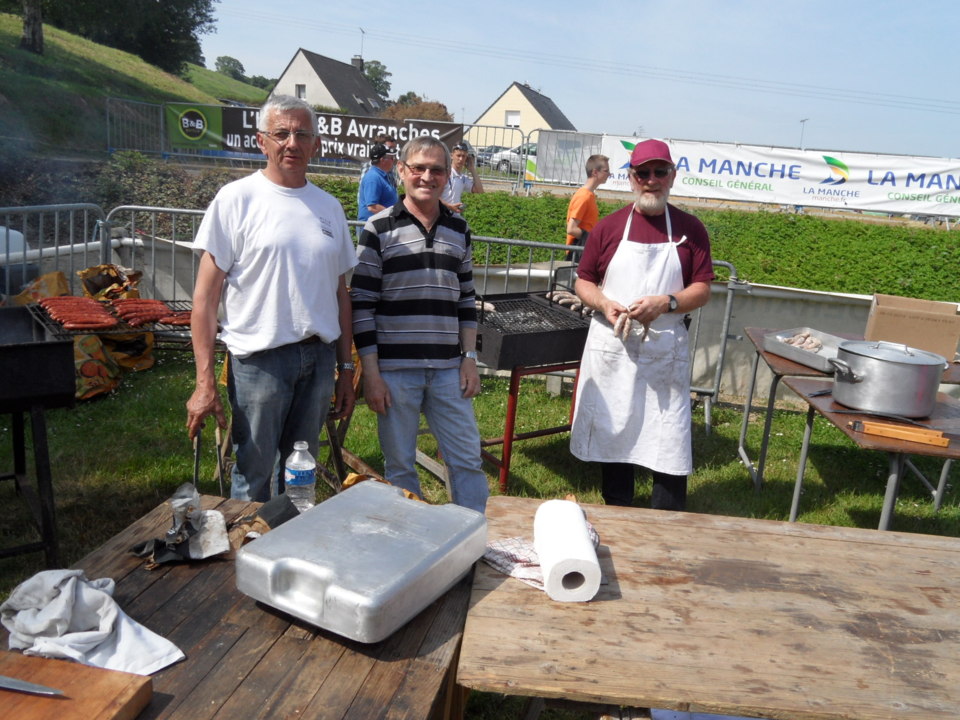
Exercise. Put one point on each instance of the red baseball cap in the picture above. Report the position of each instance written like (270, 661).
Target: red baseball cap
(650, 150)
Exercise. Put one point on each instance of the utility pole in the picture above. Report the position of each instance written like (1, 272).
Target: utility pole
(803, 124)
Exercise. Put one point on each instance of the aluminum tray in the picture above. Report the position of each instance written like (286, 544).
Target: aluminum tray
(773, 343)
(364, 562)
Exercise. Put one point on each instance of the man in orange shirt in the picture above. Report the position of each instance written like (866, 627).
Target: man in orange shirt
(582, 213)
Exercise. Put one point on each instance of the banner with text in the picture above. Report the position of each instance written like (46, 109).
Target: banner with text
(784, 176)
(214, 129)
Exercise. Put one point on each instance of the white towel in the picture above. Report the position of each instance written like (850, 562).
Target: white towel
(61, 614)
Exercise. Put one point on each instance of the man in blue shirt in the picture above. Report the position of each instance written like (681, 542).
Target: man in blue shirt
(376, 188)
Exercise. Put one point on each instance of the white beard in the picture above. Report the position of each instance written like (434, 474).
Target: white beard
(650, 204)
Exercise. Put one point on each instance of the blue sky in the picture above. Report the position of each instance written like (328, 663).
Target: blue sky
(866, 75)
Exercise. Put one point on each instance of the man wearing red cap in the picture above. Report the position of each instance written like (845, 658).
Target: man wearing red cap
(645, 267)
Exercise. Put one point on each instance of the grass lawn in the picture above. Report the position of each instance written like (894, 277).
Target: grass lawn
(116, 457)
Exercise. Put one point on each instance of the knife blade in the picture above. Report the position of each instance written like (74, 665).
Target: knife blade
(9, 683)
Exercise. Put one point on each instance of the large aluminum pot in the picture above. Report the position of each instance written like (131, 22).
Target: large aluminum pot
(884, 377)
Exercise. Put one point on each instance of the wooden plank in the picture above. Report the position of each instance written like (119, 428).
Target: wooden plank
(729, 616)
(339, 689)
(270, 678)
(214, 690)
(393, 655)
(174, 684)
(431, 667)
(901, 432)
(321, 657)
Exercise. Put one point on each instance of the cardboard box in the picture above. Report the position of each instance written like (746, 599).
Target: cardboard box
(923, 324)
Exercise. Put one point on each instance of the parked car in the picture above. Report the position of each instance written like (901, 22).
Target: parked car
(485, 153)
(511, 161)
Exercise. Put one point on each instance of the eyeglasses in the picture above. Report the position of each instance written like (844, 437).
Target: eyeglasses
(281, 136)
(660, 172)
(419, 170)
(462, 146)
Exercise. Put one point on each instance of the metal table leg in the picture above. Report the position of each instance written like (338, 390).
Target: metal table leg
(896, 461)
(757, 473)
(798, 486)
(941, 486)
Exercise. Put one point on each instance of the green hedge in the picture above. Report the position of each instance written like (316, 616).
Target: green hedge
(806, 251)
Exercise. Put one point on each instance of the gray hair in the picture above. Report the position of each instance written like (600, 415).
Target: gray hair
(285, 104)
(425, 143)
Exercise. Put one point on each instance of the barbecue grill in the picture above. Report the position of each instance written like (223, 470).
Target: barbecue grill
(527, 329)
(38, 373)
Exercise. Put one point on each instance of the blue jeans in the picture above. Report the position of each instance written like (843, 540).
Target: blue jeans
(278, 396)
(450, 416)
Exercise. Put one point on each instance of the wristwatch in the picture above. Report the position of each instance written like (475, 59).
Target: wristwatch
(346, 366)
(673, 304)
(469, 354)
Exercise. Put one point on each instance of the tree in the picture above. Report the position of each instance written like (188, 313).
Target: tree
(419, 109)
(262, 82)
(165, 34)
(32, 38)
(409, 98)
(376, 72)
(230, 66)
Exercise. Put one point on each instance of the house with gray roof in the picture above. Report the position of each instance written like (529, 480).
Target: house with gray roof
(522, 107)
(329, 83)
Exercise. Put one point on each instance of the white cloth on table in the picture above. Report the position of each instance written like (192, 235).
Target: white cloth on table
(61, 614)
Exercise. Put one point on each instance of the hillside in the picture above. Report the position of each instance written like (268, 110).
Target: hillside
(224, 87)
(55, 102)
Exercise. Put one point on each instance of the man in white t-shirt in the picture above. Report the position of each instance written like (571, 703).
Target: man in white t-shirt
(276, 249)
(463, 177)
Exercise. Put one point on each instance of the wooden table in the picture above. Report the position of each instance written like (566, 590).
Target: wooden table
(945, 412)
(245, 660)
(781, 367)
(729, 615)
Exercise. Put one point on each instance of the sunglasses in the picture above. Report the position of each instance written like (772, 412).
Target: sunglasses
(660, 172)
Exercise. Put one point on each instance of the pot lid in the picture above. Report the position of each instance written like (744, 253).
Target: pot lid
(892, 352)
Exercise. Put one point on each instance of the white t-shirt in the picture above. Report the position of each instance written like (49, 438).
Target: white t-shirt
(284, 251)
(457, 184)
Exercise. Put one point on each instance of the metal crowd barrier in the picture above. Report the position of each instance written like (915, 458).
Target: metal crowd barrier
(158, 242)
(38, 239)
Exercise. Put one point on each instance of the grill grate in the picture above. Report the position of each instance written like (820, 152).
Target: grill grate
(529, 315)
(122, 328)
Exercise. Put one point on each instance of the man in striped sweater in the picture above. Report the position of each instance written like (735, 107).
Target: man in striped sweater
(415, 327)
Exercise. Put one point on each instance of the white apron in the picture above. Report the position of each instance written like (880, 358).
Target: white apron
(633, 396)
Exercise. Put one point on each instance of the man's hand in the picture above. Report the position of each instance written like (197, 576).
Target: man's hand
(469, 378)
(344, 398)
(204, 401)
(647, 309)
(376, 392)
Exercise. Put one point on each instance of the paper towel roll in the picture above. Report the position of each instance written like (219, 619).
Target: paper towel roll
(571, 572)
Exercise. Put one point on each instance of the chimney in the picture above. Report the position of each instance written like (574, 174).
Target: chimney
(357, 62)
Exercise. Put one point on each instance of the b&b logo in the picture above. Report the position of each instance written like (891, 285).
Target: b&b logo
(192, 124)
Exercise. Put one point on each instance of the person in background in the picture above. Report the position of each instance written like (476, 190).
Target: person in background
(377, 191)
(415, 327)
(276, 249)
(645, 266)
(391, 144)
(463, 178)
(582, 212)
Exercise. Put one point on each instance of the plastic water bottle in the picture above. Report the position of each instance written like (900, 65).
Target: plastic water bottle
(300, 477)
